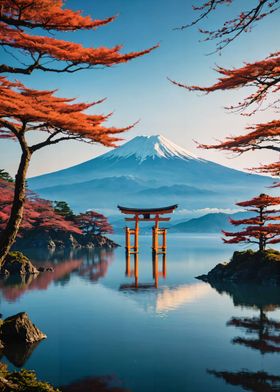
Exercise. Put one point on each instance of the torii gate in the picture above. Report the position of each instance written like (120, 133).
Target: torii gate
(147, 215)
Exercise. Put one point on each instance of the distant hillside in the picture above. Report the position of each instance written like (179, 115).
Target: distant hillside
(210, 223)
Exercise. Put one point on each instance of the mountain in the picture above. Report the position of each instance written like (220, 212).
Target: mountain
(209, 223)
(148, 171)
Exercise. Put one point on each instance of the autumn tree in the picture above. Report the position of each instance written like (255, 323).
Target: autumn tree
(262, 77)
(24, 110)
(92, 222)
(257, 229)
(18, 20)
(38, 213)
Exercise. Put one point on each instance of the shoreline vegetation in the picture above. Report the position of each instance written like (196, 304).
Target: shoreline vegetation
(259, 267)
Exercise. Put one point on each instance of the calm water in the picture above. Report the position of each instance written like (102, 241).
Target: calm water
(113, 331)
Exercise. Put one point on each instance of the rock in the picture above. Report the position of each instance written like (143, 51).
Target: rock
(17, 264)
(20, 328)
(96, 241)
(262, 267)
(57, 239)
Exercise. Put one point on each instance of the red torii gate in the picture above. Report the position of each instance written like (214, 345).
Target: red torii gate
(147, 215)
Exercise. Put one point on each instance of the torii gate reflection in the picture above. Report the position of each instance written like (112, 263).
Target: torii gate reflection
(133, 271)
(147, 215)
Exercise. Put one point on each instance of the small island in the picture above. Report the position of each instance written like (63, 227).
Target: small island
(262, 266)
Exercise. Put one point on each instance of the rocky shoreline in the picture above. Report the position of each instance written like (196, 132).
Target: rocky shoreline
(53, 240)
(262, 267)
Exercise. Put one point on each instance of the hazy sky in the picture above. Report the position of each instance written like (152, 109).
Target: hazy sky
(140, 89)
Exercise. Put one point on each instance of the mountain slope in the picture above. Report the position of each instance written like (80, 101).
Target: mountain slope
(148, 171)
(209, 223)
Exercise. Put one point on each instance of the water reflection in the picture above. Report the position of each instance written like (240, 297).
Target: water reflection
(97, 384)
(172, 298)
(264, 333)
(89, 264)
(250, 381)
(13, 288)
(134, 272)
(18, 353)
(95, 264)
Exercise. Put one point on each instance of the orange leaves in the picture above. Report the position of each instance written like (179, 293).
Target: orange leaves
(24, 110)
(48, 14)
(261, 201)
(261, 136)
(16, 19)
(64, 50)
(263, 75)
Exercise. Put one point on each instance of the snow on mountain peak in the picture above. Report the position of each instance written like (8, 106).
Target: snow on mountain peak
(155, 146)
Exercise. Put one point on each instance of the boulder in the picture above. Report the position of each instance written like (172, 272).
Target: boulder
(20, 328)
(262, 267)
(17, 264)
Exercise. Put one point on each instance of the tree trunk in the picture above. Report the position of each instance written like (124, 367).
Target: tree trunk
(9, 234)
(262, 237)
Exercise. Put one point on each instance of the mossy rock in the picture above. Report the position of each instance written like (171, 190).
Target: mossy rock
(262, 267)
(16, 263)
(22, 381)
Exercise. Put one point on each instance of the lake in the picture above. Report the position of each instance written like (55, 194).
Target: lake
(141, 325)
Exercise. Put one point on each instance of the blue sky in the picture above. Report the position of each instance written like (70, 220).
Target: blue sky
(139, 90)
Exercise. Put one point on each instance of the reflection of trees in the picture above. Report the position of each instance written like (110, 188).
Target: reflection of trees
(265, 332)
(92, 264)
(250, 381)
(95, 384)
(14, 287)
(96, 264)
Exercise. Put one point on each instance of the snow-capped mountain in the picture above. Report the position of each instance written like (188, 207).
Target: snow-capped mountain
(144, 147)
(148, 171)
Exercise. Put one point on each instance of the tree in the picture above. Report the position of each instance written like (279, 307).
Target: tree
(5, 176)
(45, 52)
(24, 110)
(38, 212)
(62, 208)
(231, 29)
(263, 77)
(258, 229)
(92, 222)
